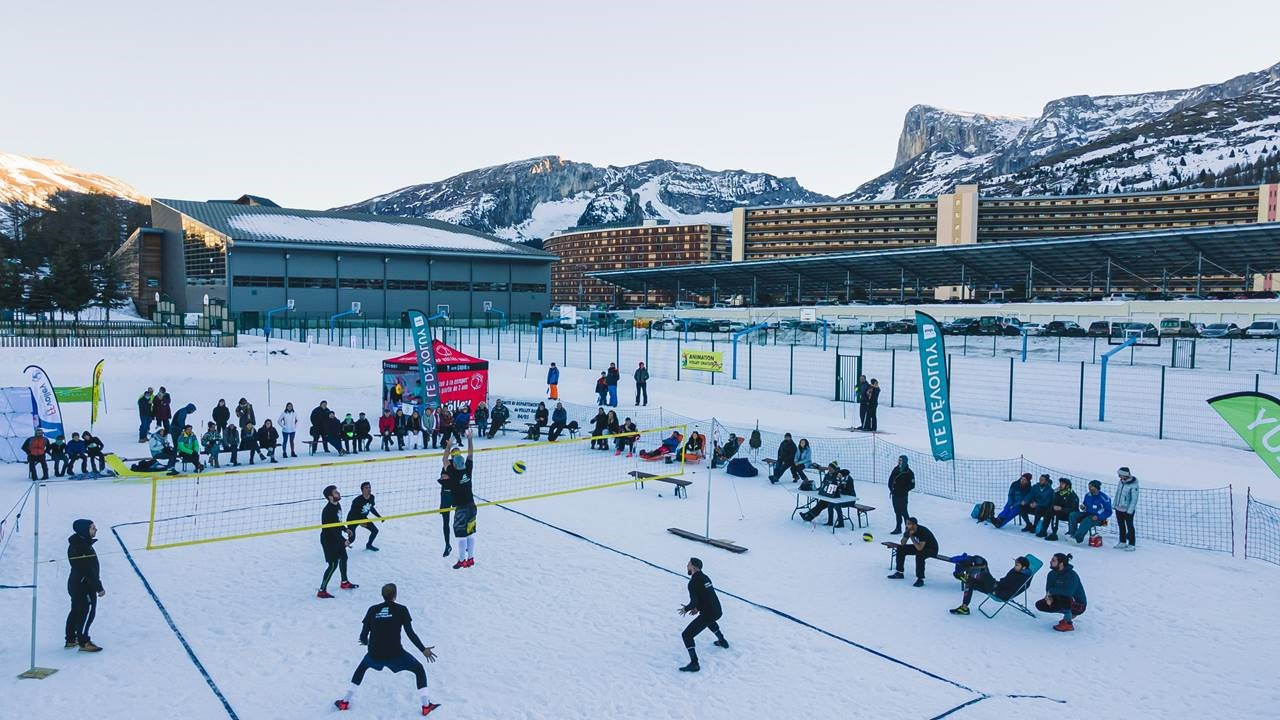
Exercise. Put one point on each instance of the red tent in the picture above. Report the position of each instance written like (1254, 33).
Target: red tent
(463, 379)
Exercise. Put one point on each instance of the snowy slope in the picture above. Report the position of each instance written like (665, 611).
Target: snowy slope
(29, 182)
(549, 625)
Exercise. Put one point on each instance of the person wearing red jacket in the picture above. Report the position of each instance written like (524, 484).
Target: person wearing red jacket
(386, 427)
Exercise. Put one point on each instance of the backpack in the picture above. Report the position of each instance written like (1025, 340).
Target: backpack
(741, 467)
(983, 511)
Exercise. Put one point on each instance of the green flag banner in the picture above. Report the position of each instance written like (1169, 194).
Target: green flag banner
(74, 394)
(1255, 417)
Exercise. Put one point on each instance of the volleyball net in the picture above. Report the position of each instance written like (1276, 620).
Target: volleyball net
(245, 503)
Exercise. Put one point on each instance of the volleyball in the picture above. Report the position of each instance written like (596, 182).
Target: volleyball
(518, 467)
(866, 537)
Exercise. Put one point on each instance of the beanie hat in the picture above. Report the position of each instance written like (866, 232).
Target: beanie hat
(81, 527)
(1124, 472)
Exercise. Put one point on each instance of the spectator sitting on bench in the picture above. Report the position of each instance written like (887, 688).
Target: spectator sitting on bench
(724, 453)
(839, 481)
(919, 541)
(598, 425)
(1097, 508)
(1037, 500)
(668, 447)
(695, 446)
(498, 418)
(212, 442)
(973, 574)
(1018, 490)
(1063, 592)
(540, 419)
(559, 421)
(160, 449)
(1065, 501)
(625, 438)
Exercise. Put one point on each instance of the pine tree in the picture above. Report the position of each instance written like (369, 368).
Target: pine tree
(72, 283)
(110, 292)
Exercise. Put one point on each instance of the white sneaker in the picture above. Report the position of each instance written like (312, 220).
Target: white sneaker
(1120, 546)
(1130, 548)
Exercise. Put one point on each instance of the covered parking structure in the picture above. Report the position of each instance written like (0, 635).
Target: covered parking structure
(1223, 257)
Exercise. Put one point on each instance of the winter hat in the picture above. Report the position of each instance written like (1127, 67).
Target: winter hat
(1123, 472)
(81, 527)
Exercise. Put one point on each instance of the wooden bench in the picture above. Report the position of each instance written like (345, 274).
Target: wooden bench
(571, 429)
(893, 554)
(640, 477)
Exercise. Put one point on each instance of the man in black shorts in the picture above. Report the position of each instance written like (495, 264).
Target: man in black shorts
(458, 481)
(381, 633)
(704, 604)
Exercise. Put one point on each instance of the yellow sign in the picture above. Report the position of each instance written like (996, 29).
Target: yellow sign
(97, 391)
(705, 360)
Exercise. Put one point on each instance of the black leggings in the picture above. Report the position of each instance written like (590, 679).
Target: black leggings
(698, 625)
(373, 532)
(340, 566)
(405, 662)
(84, 606)
(1125, 521)
(444, 525)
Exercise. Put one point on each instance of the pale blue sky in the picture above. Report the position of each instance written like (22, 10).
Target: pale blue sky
(320, 103)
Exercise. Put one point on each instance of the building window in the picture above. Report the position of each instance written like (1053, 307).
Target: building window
(205, 254)
(312, 283)
(257, 281)
(529, 287)
(450, 286)
(407, 285)
(489, 287)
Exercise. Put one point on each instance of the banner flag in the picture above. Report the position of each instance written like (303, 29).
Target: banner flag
(426, 354)
(705, 360)
(47, 408)
(97, 391)
(933, 379)
(1255, 417)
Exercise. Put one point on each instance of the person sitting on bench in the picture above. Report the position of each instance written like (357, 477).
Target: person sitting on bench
(1097, 508)
(559, 421)
(1065, 501)
(1018, 490)
(725, 452)
(540, 419)
(625, 438)
(161, 450)
(1038, 500)
(973, 574)
(498, 418)
(919, 541)
(836, 483)
(668, 447)
(599, 424)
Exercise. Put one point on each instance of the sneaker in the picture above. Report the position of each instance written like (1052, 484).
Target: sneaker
(962, 610)
(348, 585)
(88, 646)
(617, 453)
(370, 547)
(1130, 548)
(1064, 626)
(460, 564)
(342, 704)
(471, 562)
(1051, 537)
(721, 643)
(324, 594)
(70, 644)
(630, 454)
(918, 583)
(1041, 534)
(896, 576)
(1119, 546)
(1028, 528)
(426, 709)
(448, 550)
(691, 667)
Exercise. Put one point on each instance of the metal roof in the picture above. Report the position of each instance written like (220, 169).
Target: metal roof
(276, 226)
(1057, 261)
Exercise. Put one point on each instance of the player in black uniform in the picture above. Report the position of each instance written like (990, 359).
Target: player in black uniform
(361, 508)
(334, 541)
(446, 496)
(381, 633)
(458, 481)
(705, 605)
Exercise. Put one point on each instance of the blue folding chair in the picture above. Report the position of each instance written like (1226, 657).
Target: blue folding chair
(1033, 566)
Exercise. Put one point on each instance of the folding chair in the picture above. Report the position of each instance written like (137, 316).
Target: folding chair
(1033, 566)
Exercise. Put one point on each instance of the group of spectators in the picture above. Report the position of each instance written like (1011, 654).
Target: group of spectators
(606, 387)
(1042, 508)
(438, 425)
(83, 446)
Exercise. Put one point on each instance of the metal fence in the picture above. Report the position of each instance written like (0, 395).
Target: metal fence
(1261, 530)
(69, 333)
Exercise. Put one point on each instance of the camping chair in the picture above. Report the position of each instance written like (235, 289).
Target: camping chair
(1033, 566)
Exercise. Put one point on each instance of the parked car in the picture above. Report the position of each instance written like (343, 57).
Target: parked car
(1032, 328)
(1176, 327)
(905, 326)
(1126, 329)
(1263, 329)
(1120, 297)
(1099, 328)
(664, 324)
(998, 325)
(1064, 328)
(1188, 296)
(961, 326)
(1220, 330)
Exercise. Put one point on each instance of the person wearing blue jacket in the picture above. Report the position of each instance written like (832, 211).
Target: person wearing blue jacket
(1097, 507)
(1063, 592)
(76, 450)
(461, 421)
(1018, 490)
(559, 421)
(1037, 500)
(553, 382)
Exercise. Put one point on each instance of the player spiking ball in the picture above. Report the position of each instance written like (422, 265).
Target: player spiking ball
(381, 634)
(457, 479)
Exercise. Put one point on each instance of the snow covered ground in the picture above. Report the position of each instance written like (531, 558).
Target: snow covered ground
(583, 625)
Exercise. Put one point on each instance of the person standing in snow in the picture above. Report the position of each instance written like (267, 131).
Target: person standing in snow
(288, 422)
(458, 473)
(84, 585)
(611, 379)
(145, 414)
(871, 402)
(602, 390)
(361, 508)
(553, 382)
(221, 414)
(786, 458)
(902, 480)
(860, 396)
(1063, 592)
(641, 376)
(380, 632)
(320, 426)
(704, 605)
(161, 411)
(244, 413)
(1125, 504)
(334, 542)
(36, 447)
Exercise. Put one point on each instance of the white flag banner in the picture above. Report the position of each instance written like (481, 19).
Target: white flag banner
(47, 408)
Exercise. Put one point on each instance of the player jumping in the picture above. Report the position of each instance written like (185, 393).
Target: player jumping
(381, 633)
(703, 603)
(458, 482)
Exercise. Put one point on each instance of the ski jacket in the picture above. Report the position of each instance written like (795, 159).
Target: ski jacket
(612, 377)
(902, 480)
(93, 447)
(212, 441)
(402, 423)
(319, 418)
(553, 376)
(157, 445)
(188, 445)
(1040, 494)
(429, 421)
(1067, 500)
(230, 438)
(560, 416)
(445, 420)
(248, 438)
(76, 448)
(160, 407)
(83, 572)
(144, 406)
(462, 419)
(482, 415)
(57, 449)
(386, 424)
(1018, 492)
(501, 414)
(1065, 583)
(787, 452)
(349, 427)
(860, 391)
(804, 456)
(288, 421)
(641, 375)
(1098, 505)
(1126, 499)
(362, 427)
(244, 413)
(221, 414)
(414, 424)
(1010, 584)
(35, 446)
(267, 437)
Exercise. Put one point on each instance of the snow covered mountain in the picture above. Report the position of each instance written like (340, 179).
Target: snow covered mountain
(27, 183)
(1085, 144)
(541, 196)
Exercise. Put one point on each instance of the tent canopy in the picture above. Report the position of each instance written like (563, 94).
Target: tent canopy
(464, 379)
(448, 359)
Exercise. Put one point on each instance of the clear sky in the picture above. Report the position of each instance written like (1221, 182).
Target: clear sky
(317, 103)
